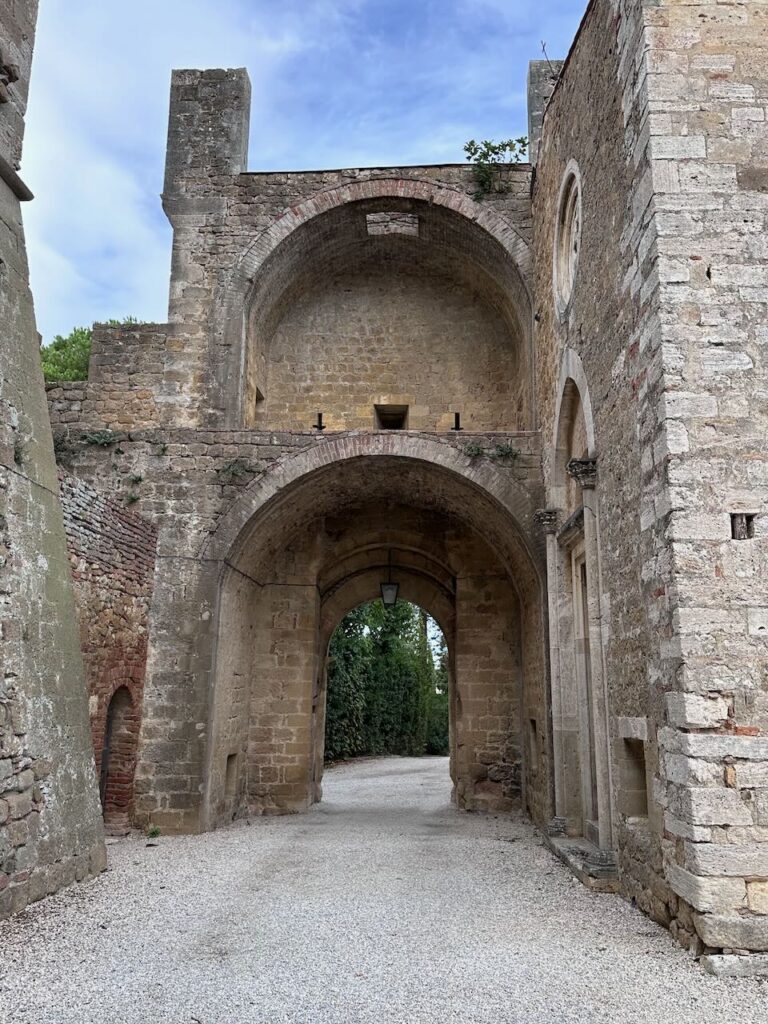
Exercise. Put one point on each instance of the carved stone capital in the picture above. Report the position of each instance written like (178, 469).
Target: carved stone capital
(547, 519)
(583, 471)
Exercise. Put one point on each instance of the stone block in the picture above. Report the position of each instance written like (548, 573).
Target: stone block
(727, 859)
(713, 895)
(709, 806)
(693, 711)
(19, 804)
(679, 147)
(752, 775)
(757, 622)
(732, 932)
(757, 897)
(729, 965)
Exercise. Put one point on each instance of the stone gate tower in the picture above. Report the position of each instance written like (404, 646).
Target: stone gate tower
(593, 542)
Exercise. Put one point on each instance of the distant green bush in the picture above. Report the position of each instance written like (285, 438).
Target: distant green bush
(67, 356)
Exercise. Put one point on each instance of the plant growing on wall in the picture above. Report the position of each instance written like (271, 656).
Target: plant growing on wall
(235, 469)
(489, 158)
(102, 438)
(502, 451)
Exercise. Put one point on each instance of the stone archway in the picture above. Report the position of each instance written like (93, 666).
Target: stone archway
(117, 758)
(242, 620)
(299, 552)
(453, 238)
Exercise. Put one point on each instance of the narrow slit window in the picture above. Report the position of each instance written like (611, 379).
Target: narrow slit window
(231, 776)
(533, 743)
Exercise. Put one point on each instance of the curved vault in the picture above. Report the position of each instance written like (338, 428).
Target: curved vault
(459, 247)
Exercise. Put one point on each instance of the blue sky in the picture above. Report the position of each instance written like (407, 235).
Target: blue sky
(336, 83)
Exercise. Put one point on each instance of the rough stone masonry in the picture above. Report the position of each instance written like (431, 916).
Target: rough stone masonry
(50, 822)
(594, 540)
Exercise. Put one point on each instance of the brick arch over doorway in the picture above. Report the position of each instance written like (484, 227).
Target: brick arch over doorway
(312, 538)
(481, 255)
(256, 594)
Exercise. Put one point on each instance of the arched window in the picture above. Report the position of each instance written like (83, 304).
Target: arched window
(567, 237)
(118, 756)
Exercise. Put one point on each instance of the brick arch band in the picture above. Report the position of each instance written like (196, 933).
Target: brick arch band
(514, 501)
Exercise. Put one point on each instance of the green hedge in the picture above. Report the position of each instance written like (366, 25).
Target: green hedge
(385, 693)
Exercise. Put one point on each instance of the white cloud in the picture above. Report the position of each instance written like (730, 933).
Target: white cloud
(335, 83)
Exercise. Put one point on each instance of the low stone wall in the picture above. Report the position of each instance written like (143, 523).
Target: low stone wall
(95, 407)
(112, 557)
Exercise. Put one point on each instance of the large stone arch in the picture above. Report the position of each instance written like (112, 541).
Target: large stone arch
(268, 531)
(256, 254)
(508, 255)
(499, 484)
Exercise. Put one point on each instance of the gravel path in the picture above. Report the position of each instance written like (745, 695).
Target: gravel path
(381, 905)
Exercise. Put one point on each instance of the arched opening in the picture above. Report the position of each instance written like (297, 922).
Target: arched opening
(320, 547)
(118, 758)
(401, 306)
(387, 293)
(579, 699)
(386, 684)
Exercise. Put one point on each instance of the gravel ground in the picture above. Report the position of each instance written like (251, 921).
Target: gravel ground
(383, 904)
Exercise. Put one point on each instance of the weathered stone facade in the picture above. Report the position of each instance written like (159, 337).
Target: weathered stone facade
(662, 339)
(50, 826)
(593, 543)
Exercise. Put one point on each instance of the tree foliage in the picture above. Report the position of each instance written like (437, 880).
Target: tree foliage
(489, 157)
(385, 694)
(67, 356)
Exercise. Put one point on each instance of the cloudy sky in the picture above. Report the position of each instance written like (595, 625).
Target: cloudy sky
(336, 83)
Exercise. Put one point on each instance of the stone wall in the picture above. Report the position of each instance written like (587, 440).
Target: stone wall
(598, 333)
(228, 224)
(112, 558)
(50, 823)
(666, 339)
(191, 481)
(707, 95)
(403, 338)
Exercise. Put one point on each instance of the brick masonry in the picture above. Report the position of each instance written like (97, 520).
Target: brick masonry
(112, 558)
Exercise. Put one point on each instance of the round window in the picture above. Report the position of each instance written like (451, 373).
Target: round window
(567, 237)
